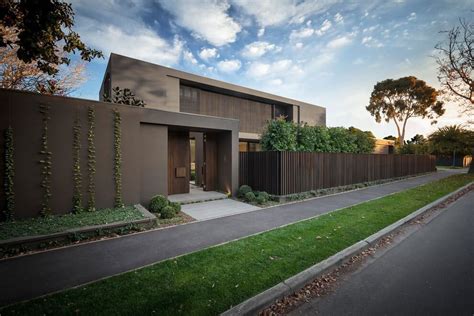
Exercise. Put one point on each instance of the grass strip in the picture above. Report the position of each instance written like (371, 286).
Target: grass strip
(210, 281)
(55, 223)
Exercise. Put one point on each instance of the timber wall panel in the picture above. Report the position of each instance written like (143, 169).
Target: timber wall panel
(283, 173)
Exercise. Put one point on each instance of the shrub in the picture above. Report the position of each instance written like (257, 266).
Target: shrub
(168, 212)
(263, 196)
(158, 203)
(250, 196)
(244, 189)
(176, 206)
(260, 199)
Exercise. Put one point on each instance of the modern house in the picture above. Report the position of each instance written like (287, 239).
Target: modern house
(193, 151)
(384, 146)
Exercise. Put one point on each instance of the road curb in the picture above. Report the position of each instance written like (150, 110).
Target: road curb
(255, 304)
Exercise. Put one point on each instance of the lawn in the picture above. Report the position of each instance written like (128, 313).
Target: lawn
(208, 282)
(54, 224)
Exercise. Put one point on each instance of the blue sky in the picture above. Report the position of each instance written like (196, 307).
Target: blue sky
(327, 52)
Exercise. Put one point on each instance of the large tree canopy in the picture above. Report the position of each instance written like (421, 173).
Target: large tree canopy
(452, 139)
(43, 26)
(401, 99)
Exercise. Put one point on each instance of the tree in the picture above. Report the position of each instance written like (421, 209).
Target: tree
(390, 137)
(124, 96)
(341, 141)
(417, 139)
(364, 140)
(43, 26)
(401, 99)
(455, 64)
(453, 140)
(455, 67)
(279, 135)
(16, 74)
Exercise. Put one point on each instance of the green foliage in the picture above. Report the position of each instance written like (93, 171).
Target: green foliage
(176, 206)
(45, 161)
(403, 98)
(249, 197)
(118, 159)
(124, 96)
(91, 158)
(454, 138)
(9, 174)
(279, 135)
(43, 26)
(157, 203)
(262, 197)
(76, 168)
(168, 212)
(243, 190)
(364, 140)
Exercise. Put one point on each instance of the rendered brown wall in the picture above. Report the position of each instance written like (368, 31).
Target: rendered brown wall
(144, 149)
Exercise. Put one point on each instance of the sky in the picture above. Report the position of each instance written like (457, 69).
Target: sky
(327, 52)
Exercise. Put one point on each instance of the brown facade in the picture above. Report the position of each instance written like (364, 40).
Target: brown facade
(144, 141)
(172, 90)
(283, 173)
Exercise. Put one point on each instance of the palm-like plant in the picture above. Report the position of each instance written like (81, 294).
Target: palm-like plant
(453, 139)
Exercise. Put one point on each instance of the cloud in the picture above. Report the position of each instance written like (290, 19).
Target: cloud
(412, 16)
(325, 26)
(299, 45)
(261, 32)
(206, 19)
(339, 42)
(338, 18)
(369, 41)
(271, 12)
(258, 49)
(229, 66)
(276, 82)
(208, 53)
(301, 33)
(284, 67)
(189, 57)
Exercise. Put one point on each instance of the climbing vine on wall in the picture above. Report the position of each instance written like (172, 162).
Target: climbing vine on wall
(45, 162)
(118, 159)
(9, 174)
(76, 168)
(91, 158)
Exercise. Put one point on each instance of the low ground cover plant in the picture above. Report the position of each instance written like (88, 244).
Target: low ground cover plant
(200, 283)
(159, 204)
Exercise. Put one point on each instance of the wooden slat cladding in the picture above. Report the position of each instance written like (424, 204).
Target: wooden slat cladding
(252, 114)
(178, 162)
(283, 173)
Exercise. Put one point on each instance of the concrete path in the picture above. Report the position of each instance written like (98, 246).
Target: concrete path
(431, 272)
(34, 275)
(214, 209)
(196, 195)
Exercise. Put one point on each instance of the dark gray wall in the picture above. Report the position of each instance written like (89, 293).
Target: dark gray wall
(144, 149)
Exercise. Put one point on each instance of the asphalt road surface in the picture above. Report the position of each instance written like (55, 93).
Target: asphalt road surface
(430, 272)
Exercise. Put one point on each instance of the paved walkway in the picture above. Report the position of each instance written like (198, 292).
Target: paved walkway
(431, 272)
(34, 275)
(214, 209)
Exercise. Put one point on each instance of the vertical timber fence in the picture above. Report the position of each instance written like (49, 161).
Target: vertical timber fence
(283, 173)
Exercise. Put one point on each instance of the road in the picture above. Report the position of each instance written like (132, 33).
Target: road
(430, 272)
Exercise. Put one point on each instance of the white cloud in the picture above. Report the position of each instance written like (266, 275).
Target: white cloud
(206, 19)
(261, 32)
(338, 18)
(278, 68)
(299, 45)
(339, 42)
(276, 82)
(324, 28)
(271, 12)
(258, 49)
(370, 28)
(208, 53)
(189, 57)
(301, 33)
(412, 16)
(369, 41)
(229, 66)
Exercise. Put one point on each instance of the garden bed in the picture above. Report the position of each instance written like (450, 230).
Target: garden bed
(38, 233)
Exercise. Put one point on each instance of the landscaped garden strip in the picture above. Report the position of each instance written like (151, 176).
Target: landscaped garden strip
(212, 280)
(53, 224)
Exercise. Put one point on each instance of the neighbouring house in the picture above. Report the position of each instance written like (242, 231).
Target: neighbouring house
(384, 146)
(172, 90)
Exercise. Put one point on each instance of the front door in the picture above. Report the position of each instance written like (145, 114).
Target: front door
(178, 162)
(210, 162)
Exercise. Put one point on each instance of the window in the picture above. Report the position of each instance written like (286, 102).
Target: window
(254, 146)
(243, 146)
